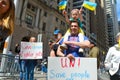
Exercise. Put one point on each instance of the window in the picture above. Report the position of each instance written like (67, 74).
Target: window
(84, 23)
(56, 19)
(58, 1)
(77, 4)
(28, 19)
(69, 16)
(84, 18)
(30, 15)
(84, 12)
(45, 14)
(100, 1)
(55, 28)
(68, 10)
(44, 26)
(75, 0)
(62, 23)
(28, 5)
(31, 7)
(68, 4)
(58, 8)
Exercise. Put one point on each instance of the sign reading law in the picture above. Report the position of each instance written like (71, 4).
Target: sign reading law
(61, 68)
(31, 50)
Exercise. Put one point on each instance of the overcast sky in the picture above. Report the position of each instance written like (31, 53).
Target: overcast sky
(118, 9)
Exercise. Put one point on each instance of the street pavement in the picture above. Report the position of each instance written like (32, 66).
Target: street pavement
(103, 75)
(38, 75)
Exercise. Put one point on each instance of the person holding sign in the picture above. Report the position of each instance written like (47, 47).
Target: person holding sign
(74, 41)
(112, 60)
(22, 62)
(27, 65)
(30, 65)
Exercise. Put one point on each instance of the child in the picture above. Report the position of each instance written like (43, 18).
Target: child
(76, 14)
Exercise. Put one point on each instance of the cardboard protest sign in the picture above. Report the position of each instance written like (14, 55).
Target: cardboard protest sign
(61, 68)
(31, 50)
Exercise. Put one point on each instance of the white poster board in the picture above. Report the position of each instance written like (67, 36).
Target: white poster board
(31, 50)
(61, 68)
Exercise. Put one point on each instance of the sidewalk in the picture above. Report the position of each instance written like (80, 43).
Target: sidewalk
(103, 75)
(38, 75)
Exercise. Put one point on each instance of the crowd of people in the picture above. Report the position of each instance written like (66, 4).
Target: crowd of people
(71, 44)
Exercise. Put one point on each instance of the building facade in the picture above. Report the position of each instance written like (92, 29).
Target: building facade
(112, 23)
(103, 24)
(119, 25)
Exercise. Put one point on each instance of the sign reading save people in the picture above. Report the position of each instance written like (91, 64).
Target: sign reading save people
(61, 68)
(31, 50)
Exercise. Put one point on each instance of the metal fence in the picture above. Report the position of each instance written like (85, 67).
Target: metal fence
(9, 67)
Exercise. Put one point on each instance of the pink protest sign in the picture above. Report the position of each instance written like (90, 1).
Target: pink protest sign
(31, 50)
(61, 68)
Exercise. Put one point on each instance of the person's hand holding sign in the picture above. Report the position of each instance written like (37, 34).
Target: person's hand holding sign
(71, 57)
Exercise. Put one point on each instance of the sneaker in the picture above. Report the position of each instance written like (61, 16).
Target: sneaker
(81, 50)
(63, 46)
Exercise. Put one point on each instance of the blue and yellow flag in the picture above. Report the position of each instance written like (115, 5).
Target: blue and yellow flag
(89, 5)
(62, 4)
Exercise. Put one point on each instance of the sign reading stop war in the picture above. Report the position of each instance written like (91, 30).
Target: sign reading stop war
(61, 68)
(31, 50)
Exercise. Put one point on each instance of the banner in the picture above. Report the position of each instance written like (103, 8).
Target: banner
(31, 50)
(61, 68)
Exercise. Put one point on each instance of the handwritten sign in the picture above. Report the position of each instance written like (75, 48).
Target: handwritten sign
(61, 68)
(31, 50)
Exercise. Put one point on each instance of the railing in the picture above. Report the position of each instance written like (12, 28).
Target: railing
(9, 67)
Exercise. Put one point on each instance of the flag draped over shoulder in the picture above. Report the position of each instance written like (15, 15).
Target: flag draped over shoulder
(89, 5)
(62, 4)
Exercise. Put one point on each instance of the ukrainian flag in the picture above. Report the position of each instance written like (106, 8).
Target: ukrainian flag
(62, 4)
(89, 5)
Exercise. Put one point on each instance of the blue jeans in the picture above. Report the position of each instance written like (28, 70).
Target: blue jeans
(115, 77)
(30, 65)
(22, 70)
(43, 68)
